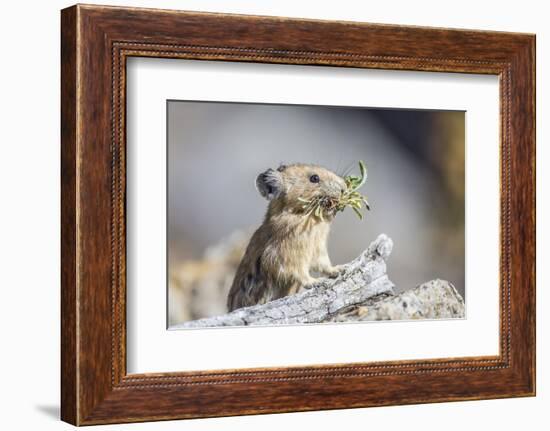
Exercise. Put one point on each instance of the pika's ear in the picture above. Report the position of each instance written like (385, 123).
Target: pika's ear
(269, 184)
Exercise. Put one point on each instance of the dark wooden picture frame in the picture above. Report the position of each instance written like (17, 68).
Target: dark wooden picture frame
(96, 41)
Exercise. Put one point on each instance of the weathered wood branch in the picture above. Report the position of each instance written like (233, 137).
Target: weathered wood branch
(362, 291)
(361, 279)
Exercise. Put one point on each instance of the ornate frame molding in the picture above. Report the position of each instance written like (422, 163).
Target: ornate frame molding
(96, 41)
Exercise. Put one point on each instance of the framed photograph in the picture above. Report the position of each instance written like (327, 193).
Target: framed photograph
(323, 214)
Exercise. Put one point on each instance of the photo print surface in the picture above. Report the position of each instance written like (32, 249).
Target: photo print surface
(302, 214)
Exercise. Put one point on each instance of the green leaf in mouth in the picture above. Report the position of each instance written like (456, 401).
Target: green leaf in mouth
(350, 197)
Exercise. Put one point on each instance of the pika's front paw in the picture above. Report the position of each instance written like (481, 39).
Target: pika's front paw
(308, 282)
(334, 271)
(311, 283)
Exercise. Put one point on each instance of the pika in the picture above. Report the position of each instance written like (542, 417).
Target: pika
(291, 243)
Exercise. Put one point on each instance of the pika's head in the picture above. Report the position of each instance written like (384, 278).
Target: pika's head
(295, 185)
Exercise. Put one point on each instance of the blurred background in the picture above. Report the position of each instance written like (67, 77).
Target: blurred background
(415, 187)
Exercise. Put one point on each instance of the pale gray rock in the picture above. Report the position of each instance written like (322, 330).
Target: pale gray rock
(436, 299)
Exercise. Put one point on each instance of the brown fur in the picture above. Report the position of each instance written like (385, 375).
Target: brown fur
(289, 244)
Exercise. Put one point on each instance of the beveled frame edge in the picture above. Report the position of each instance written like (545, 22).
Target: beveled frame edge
(96, 41)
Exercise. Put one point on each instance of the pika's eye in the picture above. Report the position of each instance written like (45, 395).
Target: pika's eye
(314, 178)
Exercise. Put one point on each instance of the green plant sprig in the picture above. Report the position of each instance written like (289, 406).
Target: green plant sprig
(350, 197)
